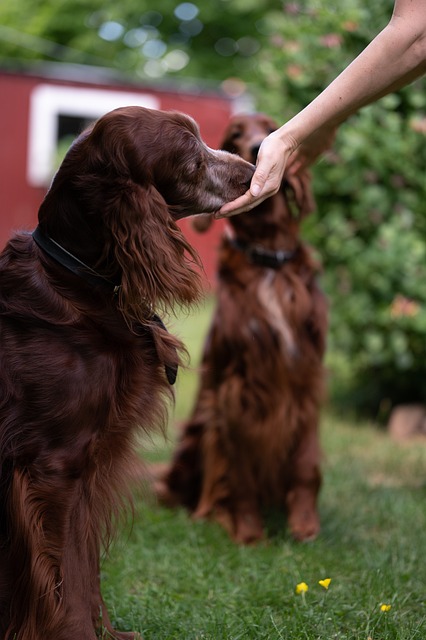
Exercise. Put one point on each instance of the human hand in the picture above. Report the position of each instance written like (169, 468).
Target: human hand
(309, 151)
(266, 181)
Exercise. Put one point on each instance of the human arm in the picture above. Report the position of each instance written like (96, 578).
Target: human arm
(395, 57)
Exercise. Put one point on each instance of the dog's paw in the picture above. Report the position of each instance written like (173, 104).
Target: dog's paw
(304, 525)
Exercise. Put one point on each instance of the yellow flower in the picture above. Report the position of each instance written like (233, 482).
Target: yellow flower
(302, 587)
(385, 607)
(325, 583)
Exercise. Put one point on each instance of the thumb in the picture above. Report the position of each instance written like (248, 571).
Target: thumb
(271, 161)
(257, 183)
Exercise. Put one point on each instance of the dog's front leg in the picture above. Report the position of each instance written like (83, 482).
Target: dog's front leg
(305, 482)
(50, 593)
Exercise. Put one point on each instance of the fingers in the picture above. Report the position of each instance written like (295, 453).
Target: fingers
(271, 162)
(243, 203)
(259, 180)
(247, 201)
(295, 167)
(263, 185)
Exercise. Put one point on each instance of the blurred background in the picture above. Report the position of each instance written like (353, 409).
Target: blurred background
(65, 62)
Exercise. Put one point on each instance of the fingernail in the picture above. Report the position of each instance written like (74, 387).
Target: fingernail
(255, 190)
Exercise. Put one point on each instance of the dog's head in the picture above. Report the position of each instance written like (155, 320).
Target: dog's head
(123, 184)
(245, 133)
(160, 150)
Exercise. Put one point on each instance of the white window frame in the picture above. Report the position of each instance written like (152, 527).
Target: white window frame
(48, 102)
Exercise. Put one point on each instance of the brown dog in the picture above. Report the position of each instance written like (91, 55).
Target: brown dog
(252, 440)
(85, 361)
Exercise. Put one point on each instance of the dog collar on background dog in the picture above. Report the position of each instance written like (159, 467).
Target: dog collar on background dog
(76, 266)
(263, 257)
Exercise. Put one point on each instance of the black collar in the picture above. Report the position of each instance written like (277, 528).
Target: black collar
(263, 257)
(70, 262)
(76, 266)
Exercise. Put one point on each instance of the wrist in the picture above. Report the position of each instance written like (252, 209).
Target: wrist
(288, 139)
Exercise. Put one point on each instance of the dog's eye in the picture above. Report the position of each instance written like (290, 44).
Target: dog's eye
(235, 135)
(198, 164)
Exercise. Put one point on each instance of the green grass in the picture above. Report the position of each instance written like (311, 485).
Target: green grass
(171, 578)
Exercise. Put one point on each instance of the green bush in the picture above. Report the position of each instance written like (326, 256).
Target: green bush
(371, 231)
(370, 227)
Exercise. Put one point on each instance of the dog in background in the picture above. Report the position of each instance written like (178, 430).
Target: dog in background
(84, 359)
(252, 440)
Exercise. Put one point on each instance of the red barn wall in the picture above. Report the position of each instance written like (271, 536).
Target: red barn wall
(20, 200)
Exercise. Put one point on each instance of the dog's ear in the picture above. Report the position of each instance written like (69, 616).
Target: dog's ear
(202, 223)
(155, 259)
(302, 199)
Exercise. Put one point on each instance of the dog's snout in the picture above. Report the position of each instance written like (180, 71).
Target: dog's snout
(250, 169)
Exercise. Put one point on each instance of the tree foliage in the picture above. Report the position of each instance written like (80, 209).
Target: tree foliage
(370, 226)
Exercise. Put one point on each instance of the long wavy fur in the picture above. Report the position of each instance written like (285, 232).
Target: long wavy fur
(82, 370)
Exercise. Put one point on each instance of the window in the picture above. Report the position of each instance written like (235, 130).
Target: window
(59, 114)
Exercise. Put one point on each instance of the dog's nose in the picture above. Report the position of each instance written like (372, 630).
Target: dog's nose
(254, 151)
